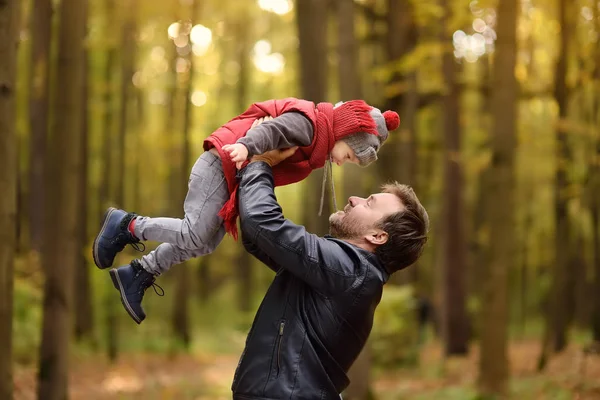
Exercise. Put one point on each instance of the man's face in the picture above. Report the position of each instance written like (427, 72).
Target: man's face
(359, 216)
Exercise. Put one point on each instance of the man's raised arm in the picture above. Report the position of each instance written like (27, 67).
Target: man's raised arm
(319, 262)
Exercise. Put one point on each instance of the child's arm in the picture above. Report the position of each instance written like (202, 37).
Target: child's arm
(288, 130)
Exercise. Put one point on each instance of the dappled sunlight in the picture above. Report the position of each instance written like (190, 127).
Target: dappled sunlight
(471, 47)
(280, 7)
(265, 61)
(173, 30)
(120, 382)
(201, 38)
(198, 98)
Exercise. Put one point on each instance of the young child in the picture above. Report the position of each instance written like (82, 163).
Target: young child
(348, 132)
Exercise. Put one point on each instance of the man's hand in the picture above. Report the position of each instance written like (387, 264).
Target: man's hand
(261, 120)
(274, 157)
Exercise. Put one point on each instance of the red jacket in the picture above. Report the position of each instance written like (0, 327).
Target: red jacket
(299, 165)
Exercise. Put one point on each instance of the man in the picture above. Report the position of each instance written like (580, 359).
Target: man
(318, 312)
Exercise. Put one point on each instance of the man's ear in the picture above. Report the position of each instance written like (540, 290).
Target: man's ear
(377, 237)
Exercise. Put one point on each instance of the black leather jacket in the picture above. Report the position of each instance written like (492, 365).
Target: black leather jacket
(318, 311)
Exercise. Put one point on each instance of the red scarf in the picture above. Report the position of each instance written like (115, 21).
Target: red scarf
(329, 125)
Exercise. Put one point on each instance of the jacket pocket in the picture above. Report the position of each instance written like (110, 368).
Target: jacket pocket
(279, 339)
(276, 358)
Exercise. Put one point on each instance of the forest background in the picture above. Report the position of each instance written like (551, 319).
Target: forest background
(107, 103)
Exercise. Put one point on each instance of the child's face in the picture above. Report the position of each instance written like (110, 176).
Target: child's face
(342, 153)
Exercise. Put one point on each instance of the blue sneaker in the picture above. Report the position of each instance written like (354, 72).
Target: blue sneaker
(113, 237)
(132, 281)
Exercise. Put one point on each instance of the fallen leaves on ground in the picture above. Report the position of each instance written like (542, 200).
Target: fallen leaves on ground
(569, 375)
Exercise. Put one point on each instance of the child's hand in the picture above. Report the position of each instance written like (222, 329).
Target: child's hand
(238, 153)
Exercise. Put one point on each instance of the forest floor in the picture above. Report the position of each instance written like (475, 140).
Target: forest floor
(207, 376)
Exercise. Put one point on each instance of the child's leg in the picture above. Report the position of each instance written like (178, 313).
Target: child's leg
(197, 234)
(166, 255)
(206, 196)
(207, 193)
(133, 279)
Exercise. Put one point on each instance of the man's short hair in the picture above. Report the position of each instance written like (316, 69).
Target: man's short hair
(407, 230)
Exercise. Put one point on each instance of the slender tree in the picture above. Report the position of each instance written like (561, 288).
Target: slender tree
(128, 51)
(560, 296)
(493, 366)
(557, 308)
(39, 77)
(243, 30)
(60, 252)
(84, 320)
(454, 314)
(9, 18)
(107, 181)
(595, 193)
(398, 158)
(106, 122)
(311, 18)
(181, 315)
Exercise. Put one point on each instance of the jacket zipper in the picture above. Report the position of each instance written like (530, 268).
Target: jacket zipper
(281, 326)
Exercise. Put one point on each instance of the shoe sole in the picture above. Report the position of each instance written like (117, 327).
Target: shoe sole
(114, 276)
(97, 239)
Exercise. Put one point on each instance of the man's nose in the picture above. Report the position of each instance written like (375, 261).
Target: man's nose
(354, 201)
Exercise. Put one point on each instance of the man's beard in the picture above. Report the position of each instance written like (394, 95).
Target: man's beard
(345, 227)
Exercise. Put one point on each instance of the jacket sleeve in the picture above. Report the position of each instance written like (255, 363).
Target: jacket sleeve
(287, 130)
(260, 255)
(319, 262)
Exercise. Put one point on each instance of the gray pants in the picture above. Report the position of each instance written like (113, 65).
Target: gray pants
(200, 231)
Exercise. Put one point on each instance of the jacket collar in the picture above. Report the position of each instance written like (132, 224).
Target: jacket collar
(370, 257)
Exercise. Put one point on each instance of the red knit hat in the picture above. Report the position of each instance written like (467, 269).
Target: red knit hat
(363, 128)
(351, 117)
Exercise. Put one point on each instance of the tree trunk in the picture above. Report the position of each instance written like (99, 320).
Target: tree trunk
(9, 25)
(137, 172)
(174, 138)
(454, 314)
(493, 360)
(244, 261)
(359, 375)
(128, 50)
(83, 290)
(479, 251)
(181, 320)
(350, 88)
(523, 270)
(595, 197)
(106, 187)
(579, 267)
(244, 267)
(397, 159)
(41, 21)
(349, 85)
(596, 246)
(60, 253)
(205, 285)
(312, 33)
(106, 181)
(559, 294)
